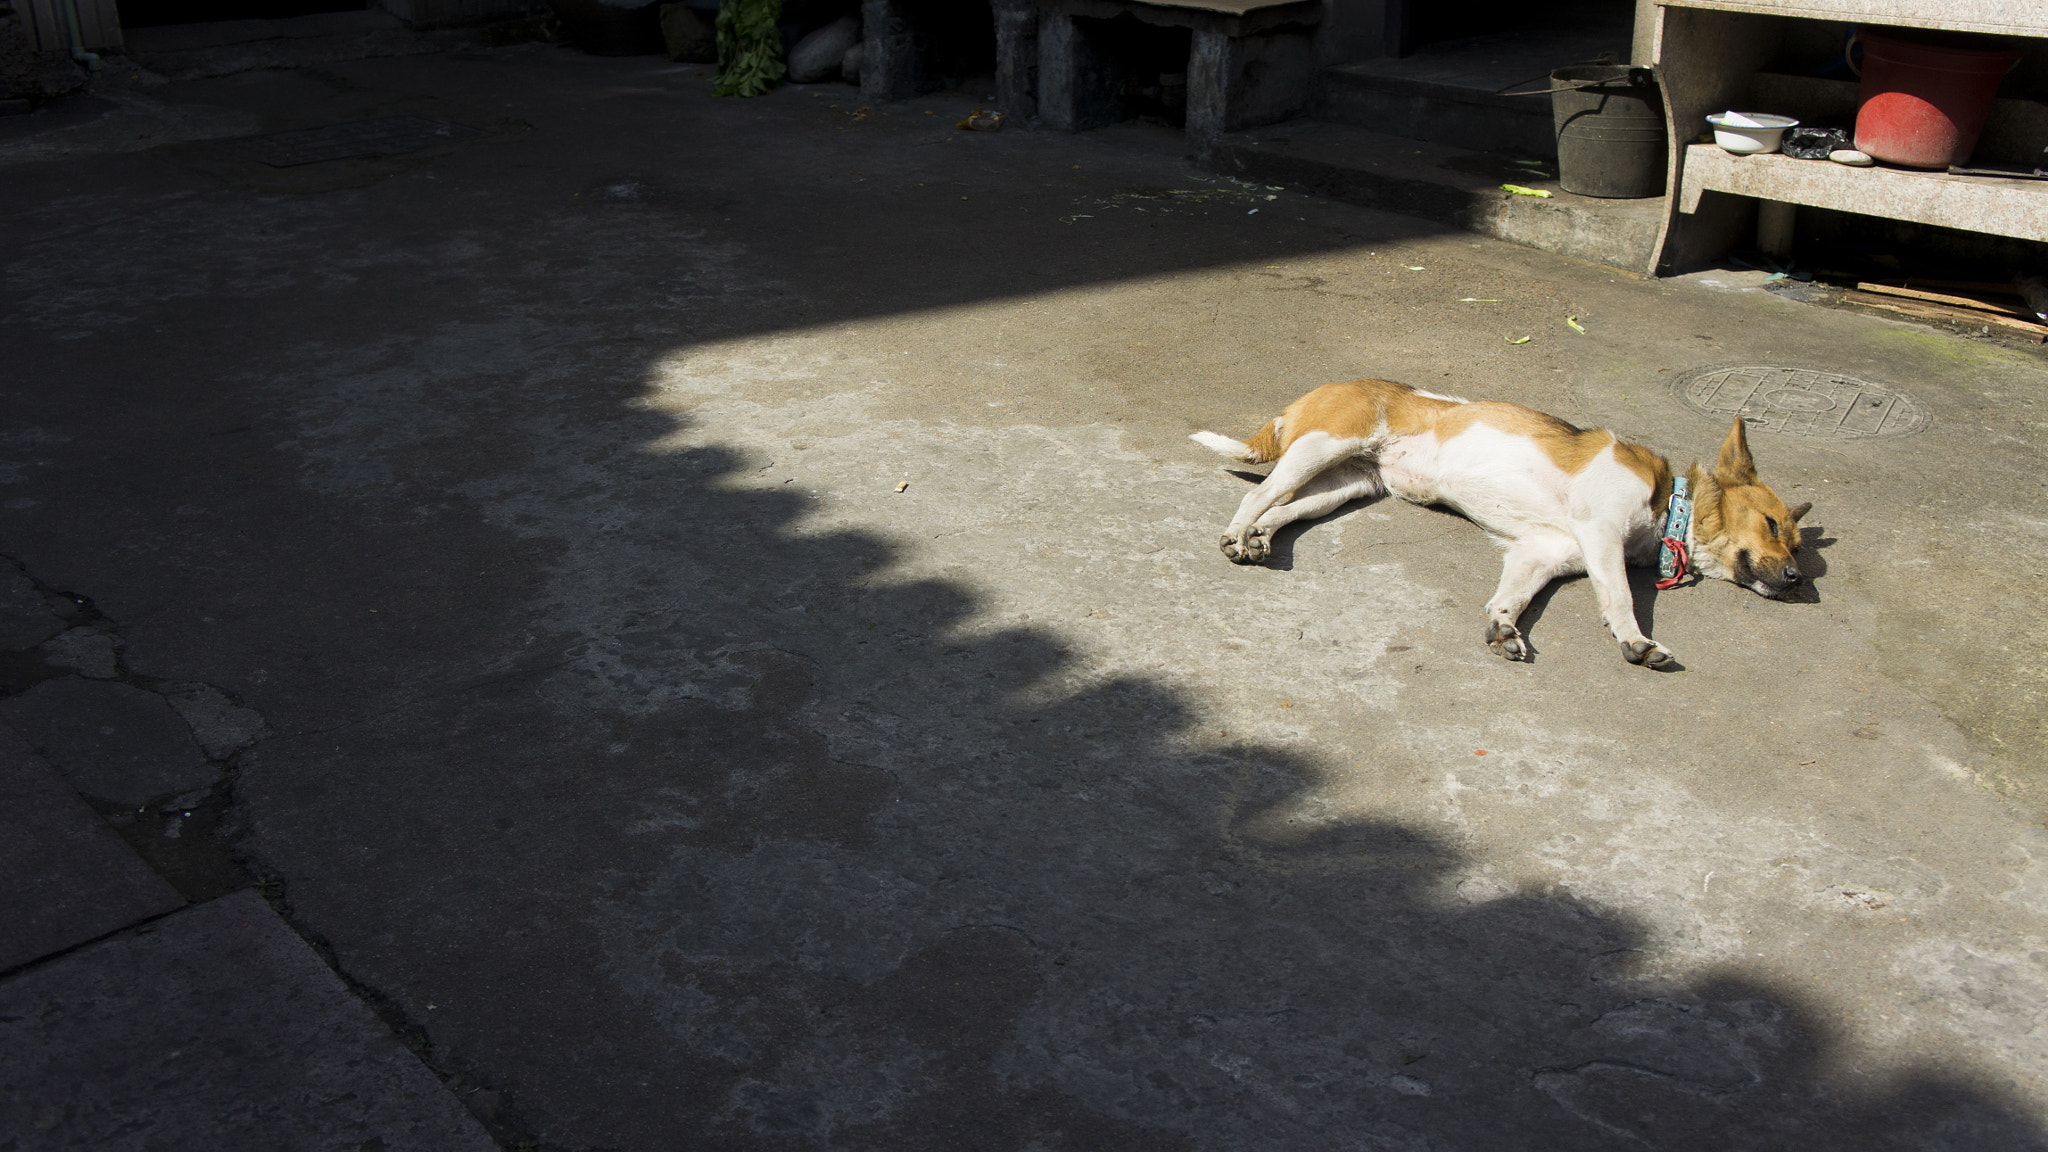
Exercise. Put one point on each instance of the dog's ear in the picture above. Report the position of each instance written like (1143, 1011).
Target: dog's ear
(1735, 468)
(1798, 511)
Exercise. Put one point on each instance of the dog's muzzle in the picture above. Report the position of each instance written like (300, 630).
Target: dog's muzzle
(1788, 579)
(1764, 583)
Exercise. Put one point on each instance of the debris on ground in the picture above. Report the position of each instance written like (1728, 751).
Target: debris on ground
(1518, 190)
(1778, 270)
(1572, 322)
(1223, 191)
(982, 120)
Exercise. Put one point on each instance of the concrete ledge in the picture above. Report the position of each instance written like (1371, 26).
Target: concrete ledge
(1224, 17)
(1999, 17)
(2016, 208)
(1446, 184)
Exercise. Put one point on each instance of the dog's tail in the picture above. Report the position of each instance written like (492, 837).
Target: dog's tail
(1263, 449)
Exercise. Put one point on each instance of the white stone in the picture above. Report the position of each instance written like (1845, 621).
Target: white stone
(820, 55)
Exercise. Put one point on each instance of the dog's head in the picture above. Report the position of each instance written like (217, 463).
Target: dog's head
(1742, 532)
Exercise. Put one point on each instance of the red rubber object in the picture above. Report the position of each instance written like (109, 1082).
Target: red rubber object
(1922, 104)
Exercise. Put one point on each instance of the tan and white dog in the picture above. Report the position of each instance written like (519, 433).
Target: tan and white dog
(1563, 500)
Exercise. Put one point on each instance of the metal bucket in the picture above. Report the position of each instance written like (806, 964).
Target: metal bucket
(1611, 141)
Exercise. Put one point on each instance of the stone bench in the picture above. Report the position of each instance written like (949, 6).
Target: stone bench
(1250, 62)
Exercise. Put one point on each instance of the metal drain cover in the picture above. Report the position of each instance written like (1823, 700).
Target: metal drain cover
(1801, 402)
(357, 139)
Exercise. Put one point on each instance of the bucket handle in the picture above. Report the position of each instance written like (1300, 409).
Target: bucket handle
(1569, 85)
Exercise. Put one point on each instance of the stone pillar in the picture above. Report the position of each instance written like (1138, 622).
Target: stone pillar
(1241, 82)
(1211, 63)
(1017, 60)
(891, 67)
(1077, 83)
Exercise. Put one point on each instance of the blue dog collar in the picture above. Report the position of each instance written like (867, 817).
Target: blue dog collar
(1672, 561)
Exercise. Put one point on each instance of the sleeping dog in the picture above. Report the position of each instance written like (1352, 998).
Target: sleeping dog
(1563, 500)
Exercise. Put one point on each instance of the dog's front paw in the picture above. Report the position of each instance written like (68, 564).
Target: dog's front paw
(1506, 640)
(1648, 653)
(1256, 545)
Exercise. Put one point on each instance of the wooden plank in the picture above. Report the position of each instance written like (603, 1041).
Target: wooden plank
(1929, 311)
(1942, 298)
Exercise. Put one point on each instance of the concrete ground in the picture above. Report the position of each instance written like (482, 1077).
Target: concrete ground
(513, 525)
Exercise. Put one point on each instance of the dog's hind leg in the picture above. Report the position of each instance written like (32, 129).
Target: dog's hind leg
(1607, 567)
(1531, 562)
(1336, 487)
(1305, 459)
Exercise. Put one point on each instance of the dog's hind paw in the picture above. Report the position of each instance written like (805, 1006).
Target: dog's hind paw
(1256, 545)
(1506, 640)
(1648, 653)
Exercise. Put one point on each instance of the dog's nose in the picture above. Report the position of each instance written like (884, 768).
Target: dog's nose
(1791, 574)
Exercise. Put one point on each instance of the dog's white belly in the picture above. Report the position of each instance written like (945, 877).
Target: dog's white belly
(1408, 467)
(1503, 482)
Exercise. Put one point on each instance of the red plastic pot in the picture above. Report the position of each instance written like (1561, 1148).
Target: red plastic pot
(1923, 101)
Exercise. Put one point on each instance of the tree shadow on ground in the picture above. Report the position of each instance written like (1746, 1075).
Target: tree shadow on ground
(792, 853)
(669, 819)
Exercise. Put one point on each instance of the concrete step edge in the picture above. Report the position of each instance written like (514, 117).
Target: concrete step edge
(1568, 226)
(1342, 80)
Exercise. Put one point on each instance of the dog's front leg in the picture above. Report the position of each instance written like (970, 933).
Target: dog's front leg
(1607, 567)
(1248, 543)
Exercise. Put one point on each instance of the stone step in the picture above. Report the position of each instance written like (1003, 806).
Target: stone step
(1452, 185)
(1378, 96)
(1449, 93)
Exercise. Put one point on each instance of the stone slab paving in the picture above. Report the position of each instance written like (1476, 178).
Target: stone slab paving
(65, 878)
(112, 741)
(214, 1029)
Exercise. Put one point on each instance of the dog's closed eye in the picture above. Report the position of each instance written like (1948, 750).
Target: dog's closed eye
(1773, 525)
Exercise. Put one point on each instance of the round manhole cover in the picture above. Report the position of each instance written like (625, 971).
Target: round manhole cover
(1801, 402)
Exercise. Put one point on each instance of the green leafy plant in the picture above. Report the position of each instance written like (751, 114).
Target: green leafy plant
(749, 47)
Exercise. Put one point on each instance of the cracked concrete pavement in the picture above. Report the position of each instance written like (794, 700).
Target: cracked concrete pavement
(673, 781)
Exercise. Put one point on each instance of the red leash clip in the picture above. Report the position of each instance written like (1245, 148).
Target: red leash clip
(1677, 547)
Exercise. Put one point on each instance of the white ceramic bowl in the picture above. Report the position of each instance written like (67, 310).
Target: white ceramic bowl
(1748, 133)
